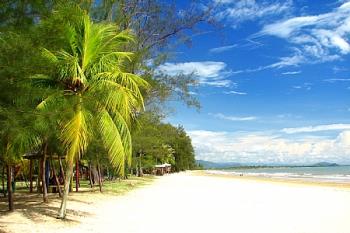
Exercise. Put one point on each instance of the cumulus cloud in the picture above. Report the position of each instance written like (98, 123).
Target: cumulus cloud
(208, 73)
(233, 118)
(270, 148)
(316, 38)
(238, 11)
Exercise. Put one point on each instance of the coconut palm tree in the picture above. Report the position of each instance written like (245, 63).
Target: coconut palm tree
(88, 86)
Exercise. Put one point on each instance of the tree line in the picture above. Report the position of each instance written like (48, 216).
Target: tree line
(79, 82)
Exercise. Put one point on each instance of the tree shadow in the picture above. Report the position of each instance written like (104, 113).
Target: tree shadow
(32, 207)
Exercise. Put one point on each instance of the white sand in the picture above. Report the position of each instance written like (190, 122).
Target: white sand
(184, 203)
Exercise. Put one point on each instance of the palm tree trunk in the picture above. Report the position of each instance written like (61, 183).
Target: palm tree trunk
(9, 187)
(69, 174)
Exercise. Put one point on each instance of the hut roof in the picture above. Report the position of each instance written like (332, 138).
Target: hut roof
(38, 155)
(163, 165)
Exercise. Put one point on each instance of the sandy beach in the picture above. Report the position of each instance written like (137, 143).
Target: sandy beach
(193, 202)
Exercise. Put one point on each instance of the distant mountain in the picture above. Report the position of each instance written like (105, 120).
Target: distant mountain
(212, 165)
(325, 164)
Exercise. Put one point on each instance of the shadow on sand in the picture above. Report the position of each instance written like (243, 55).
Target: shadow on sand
(32, 207)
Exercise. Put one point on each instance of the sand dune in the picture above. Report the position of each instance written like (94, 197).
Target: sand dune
(191, 203)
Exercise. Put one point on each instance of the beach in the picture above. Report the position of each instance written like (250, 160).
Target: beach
(197, 202)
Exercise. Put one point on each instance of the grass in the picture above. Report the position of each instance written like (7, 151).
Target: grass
(120, 186)
(109, 186)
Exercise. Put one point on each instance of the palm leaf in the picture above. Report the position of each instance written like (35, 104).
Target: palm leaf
(75, 135)
(116, 139)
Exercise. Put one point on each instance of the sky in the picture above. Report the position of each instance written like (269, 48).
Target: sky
(274, 83)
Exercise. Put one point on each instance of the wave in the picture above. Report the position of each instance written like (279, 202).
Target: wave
(287, 175)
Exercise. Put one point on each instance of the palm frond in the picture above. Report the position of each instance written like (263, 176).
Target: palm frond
(116, 98)
(116, 139)
(75, 135)
(51, 101)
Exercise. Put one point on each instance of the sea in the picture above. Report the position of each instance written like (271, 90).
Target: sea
(334, 174)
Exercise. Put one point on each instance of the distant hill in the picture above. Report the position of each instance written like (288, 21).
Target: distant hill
(325, 164)
(223, 165)
(212, 165)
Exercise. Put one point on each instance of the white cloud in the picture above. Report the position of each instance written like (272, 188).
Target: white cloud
(237, 11)
(317, 128)
(333, 80)
(208, 72)
(337, 69)
(294, 60)
(234, 93)
(291, 72)
(304, 86)
(264, 147)
(316, 38)
(233, 118)
(222, 49)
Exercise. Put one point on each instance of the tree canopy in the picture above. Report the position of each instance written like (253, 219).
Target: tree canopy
(81, 76)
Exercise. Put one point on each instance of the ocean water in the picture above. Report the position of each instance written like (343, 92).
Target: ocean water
(338, 174)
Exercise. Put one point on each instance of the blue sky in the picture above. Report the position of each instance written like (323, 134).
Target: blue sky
(274, 83)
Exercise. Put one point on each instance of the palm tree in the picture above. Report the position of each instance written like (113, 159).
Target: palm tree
(88, 86)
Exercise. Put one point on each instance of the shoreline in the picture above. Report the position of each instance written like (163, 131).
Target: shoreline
(279, 180)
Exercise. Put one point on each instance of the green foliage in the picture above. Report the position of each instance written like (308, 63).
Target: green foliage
(88, 75)
(68, 76)
(162, 143)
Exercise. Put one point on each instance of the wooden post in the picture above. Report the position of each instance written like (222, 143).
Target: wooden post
(30, 175)
(77, 175)
(9, 187)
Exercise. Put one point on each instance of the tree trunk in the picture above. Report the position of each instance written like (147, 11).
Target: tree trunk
(38, 187)
(9, 187)
(31, 176)
(43, 177)
(69, 174)
(61, 168)
(77, 175)
(99, 177)
(90, 175)
(56, 179)
(3, 181)
(71, 182)
(140, 166)
(137, 170)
